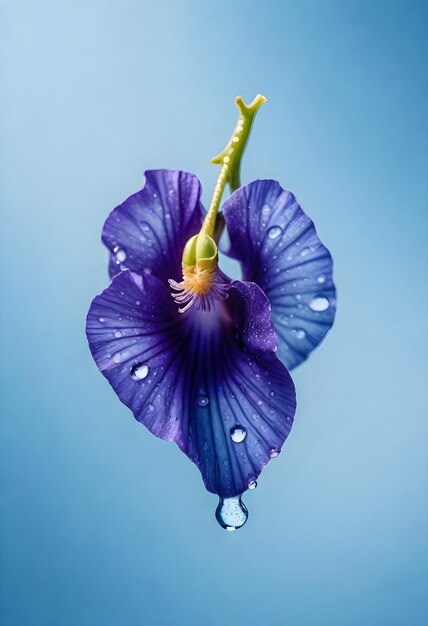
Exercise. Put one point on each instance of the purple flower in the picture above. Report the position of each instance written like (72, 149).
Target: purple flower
(209, 379)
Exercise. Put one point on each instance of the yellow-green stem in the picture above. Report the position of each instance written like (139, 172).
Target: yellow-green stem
(230, 158)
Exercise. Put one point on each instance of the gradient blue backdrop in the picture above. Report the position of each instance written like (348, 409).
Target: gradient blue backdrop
(104, 525)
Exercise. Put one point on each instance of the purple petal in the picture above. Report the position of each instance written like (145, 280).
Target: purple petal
(147, 232)
(280, 250)
(211, 382)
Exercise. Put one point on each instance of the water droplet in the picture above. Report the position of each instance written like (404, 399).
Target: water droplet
(252, 484)
(139, 371)
(274, 232)
(120, 255)
(238, 434)
(321, 279)
(145, 227)
(118, 334)
(101, 319)
(231, 513)
(305, 251)
(202, 400)
(171, 192)
(300, 333)
(266, 209)
(319, 303)
(273, 453)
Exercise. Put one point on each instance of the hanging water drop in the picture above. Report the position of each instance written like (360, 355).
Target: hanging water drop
(274, 232)
(319, 303)
(139, 371)
(231, 513)
(238, 434)
(252, 484)
(273, 453)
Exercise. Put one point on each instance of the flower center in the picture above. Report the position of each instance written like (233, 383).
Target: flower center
(199, 287)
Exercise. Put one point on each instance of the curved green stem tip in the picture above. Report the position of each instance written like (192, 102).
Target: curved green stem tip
(230, 158)
(232, 153)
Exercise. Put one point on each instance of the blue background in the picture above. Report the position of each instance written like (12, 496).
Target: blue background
(104, 525)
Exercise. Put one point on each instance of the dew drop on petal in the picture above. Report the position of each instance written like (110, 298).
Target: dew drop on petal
(321, 279)
(202, 400)
(274, 232)
(231, 513)
(252, 484)
(273, 453)
(139, 371)
(120, 255)
(118, 334)
(319, 303)
(238, 434)
(101, 319)
(266, 209)
(300, 333)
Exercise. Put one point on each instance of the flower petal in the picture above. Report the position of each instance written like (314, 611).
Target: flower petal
(210, 381)
(280, 250)
(147, 232)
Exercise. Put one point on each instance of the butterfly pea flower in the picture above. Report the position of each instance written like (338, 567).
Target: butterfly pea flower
(194, 354)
